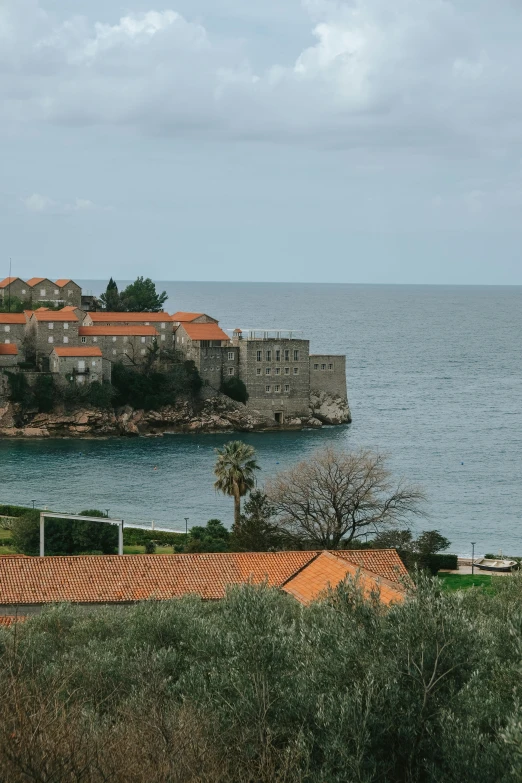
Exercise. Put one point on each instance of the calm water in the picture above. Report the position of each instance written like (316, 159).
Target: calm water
(434, 380)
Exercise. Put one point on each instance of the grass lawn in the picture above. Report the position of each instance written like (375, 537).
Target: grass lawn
(464, 581)
(5, 536)
(135, 549)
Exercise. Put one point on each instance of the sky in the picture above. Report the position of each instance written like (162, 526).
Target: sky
(357, 141)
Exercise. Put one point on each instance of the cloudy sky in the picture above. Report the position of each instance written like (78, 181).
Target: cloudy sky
(352, 141)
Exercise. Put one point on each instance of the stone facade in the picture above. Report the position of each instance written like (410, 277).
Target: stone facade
(53, 328)
(8, 355)
(70, 292)
(81, 364)
(160, 321)
(128, 344)
(13, 287)
(41, 289)
(12, 327)
(328, 374)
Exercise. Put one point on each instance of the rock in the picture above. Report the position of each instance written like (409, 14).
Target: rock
(35, 432)
(330, 409)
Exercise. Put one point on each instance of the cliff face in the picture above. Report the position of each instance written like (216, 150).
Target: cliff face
(214, 414)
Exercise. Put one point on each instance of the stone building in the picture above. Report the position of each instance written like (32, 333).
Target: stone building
(12, 327)
(41, 289)
(80, 363)
(209, 347)
(8, 355)
(160, 321)
(129, 344)
(50, 328)
(14, 288)
(194, 318)
(70, 292)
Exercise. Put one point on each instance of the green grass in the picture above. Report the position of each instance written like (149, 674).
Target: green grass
(136, 549)
(465, 581)
(4, 534)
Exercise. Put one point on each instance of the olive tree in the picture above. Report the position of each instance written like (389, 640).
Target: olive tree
(335, 497)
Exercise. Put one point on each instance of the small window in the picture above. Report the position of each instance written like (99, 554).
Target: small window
(93, 362)
(230, 356)
(231, 371)
(277, 388)
(162, 325)
(84, 339)
(278, 355)
(7, 328)
(259, 356)
(50, 325)
(323, 366)
(258, 371)
(143, 339)
(50, 339)
(287, 388)
(287, 370)
(114, 351)
(23, 290)
(56, 291)
(296, 356)
(287, 355)
(277, 370)
(125, 339)
(162, 338)
(7, 341)
(69, 293)
(316, 366)
(42, 291)
(143, 351)
(147, 323)
(66, 325)
(330, 366)
(65, 338)
(267, 370)
(94, 339)
(114, 339)
(296, 370)
(267, 388)
(269, 356)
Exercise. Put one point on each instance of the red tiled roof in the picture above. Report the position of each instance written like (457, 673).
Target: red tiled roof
(8, 280)
(114, 578)
(69, 307)
(60, 283)
(80, 350)
(137, 330)
(8, 349)
(55, 315)
(328, 570)
(106, 317)
(181, 316)
(35, 280)
(12, 318)
(385, 562)
(204, 331)
(8, 620)
(41, 309)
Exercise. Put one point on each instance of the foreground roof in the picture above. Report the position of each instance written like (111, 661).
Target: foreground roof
(35, 280)
(13, 318)
(128, 578)
(182, 317)
(385, 562)
(8, 349)
(204, 331)
(60, 283)
(136, 330)
(55, 315)
(78, 350)
(8, 280)
(104, 317)
(327, 571)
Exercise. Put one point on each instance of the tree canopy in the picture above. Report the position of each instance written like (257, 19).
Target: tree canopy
(335, 497)
(256, 531)
(235, 471)
(138, 297)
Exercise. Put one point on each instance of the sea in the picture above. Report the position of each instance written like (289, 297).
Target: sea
(434, 381)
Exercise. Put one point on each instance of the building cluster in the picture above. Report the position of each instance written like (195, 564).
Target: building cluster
(28, 584)
(80, 345)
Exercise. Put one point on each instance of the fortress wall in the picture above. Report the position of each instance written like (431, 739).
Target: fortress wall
(328, 374)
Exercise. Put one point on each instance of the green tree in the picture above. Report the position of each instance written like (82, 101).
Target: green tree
(256, 531)
(142, 297)
(214, 537)
(235, 389)
(235, 471)
(111, 299)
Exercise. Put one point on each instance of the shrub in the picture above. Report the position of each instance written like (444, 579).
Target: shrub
(150, 547)
(437, 561)
(235, 389)
(45, 393)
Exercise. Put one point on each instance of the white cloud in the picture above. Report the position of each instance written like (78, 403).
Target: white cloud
(45, 205)
(430, 73)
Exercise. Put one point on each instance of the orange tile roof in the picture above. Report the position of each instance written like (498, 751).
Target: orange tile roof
(7, 620)
(106, 317)
(8, 349)
(70, 307)
(181, 316)
(329, 570)
(55, 315)
(41, 309)
(204, 331)
(12, 318)
(8, 280)
(385, 562)
(114, 578)
(80, 350)
(35, 280)
(137, 330)
(60, 283)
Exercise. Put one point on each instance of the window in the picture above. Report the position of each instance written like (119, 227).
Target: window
(287, 370)
(69, 293)
(125, 339)
(323, 366)
(50, 339)
(267, 371)
(269, 356)
(316, 366)
(50, 325)
(267, 388)
(147, 323)
(23, 290)
(7, 341)
(93, 362)
(330, 366)
(66, 325)
(296, 370)
(162, 338)
(143, 339)
(81, 364)
(114, 339)
(114, 351)
(296, 356)
(65, 338)
(84, 339)
(7, 328)
(259, 356)
(277, 388)
(278, 355)
(287, 388)
(277, 370)
(287, 355)
(42, 291)
(258, 371)
(95, 339)
(230, 356)
(56, 291)
(162, 325)
(231, 371)
(143, 351)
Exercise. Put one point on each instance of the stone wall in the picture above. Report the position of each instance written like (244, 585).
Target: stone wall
(216, 364)
(328, 374)
(53, 334)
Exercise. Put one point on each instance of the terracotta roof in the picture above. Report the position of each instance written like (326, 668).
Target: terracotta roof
(8, 280)
(60, 283)
(41, 309)
(55, 315)
(12, 318)
(137, 330)
(35, 280)
(204, 331)
(180, 316)
(106, 317)
(385, 562)
(8, 349)
(7, 619)
(70, 307)
(80, 350)
(114, 578)
(329, 570)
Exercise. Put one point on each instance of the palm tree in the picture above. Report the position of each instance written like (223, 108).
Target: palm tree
(234, 469)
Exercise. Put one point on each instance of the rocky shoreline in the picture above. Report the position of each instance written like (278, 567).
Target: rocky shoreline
(214, 414)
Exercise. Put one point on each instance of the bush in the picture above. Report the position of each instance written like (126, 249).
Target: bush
(45, 393)
(150, 547)
(445, 561)
(235, 389)
(152, 389)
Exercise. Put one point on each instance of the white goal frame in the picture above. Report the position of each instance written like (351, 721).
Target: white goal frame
(48, 515)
